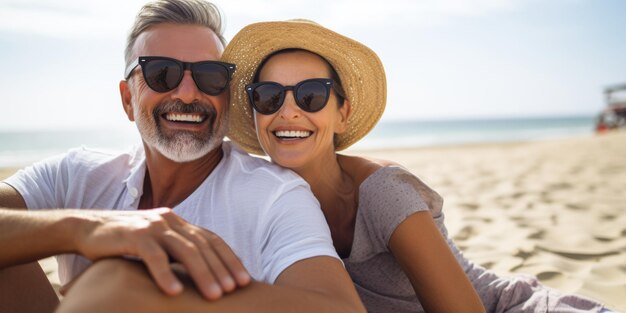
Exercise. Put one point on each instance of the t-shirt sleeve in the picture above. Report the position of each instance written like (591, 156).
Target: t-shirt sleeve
(42, 185)
(387, 198)
(295, 229)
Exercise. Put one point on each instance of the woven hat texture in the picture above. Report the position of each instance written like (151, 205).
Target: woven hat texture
(360, 70)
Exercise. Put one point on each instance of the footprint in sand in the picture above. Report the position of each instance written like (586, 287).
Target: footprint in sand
(469, 205)
(465, 233)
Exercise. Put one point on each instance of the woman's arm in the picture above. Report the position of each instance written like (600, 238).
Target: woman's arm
(439, 281)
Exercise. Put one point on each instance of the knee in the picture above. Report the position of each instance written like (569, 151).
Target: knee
(111, 285)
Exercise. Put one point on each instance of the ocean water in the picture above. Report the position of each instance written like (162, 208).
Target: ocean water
(445, 132)
(19, 148)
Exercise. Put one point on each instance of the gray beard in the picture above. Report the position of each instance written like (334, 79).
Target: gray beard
(181, 146)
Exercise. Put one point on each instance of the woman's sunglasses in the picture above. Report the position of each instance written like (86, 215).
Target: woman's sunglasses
(164, 74)
(311, 95)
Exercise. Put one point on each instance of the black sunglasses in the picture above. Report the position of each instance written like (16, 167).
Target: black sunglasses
(311, 95)
(163, 74)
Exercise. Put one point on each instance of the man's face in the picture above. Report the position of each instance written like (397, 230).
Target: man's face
(183, 124)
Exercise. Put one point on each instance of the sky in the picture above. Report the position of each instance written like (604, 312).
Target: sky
(444, 59)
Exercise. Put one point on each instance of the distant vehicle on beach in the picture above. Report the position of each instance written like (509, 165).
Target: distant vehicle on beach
(614, 115)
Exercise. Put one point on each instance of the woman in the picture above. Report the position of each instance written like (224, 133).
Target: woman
(311, 92)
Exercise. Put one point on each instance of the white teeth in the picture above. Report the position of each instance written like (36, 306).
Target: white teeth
(293, 133)
(183, 117)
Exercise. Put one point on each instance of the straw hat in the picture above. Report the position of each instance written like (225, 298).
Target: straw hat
(361, 72)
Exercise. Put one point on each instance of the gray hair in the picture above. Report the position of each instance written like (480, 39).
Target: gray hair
(185, 12)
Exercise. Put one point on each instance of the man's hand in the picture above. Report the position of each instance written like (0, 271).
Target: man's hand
(155, 236)
(152, 236)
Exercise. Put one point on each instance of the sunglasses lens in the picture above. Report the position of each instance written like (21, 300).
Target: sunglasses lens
(312, 96)
(211, 78)
(162, 75)
(266, 98)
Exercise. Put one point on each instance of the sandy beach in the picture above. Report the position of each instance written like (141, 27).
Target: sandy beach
(555, 209)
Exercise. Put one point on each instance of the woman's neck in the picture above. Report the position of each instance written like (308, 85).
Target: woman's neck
(336, 191)
(327, 178)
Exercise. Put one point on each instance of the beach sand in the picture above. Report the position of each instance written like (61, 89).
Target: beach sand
(555, 209)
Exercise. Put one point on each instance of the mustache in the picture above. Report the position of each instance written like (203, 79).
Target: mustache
(179, 106)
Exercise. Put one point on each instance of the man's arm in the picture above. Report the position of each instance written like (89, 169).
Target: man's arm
(16, 227)
(23, 288)
(151, 235)
(318, 284)
(10, 198)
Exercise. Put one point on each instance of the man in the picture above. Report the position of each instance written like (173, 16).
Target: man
(176, 92)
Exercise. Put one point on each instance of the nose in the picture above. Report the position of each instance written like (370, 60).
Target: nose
(187, 91)
(290, 108)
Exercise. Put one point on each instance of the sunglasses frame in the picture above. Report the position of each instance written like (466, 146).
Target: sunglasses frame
(142, 60)
(250, 88)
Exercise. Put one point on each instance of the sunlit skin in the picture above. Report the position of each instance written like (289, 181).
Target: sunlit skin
(155, 235)
(167, 183)
(188, 43)
(307, 153)
(314, 284)
(313, 157)
(416, 244)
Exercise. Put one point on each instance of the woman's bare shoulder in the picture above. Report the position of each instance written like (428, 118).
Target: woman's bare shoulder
(360, 167)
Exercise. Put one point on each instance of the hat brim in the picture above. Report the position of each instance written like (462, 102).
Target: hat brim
(360, 70)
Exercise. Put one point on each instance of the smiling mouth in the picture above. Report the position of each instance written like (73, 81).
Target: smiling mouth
(194, 118)
(292, 134)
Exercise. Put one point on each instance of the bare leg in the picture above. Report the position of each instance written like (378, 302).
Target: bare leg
(117, 285)
(25, 288)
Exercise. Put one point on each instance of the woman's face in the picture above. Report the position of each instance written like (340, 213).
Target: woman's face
(292, 137)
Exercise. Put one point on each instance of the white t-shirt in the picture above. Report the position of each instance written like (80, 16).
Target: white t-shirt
(267, 214)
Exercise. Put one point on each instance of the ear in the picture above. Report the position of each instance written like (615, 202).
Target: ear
(127, 104)
(341, 124)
